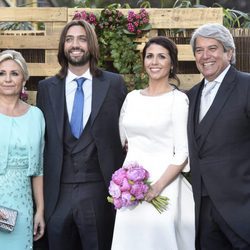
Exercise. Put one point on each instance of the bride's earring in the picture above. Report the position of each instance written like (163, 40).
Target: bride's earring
(171, 71)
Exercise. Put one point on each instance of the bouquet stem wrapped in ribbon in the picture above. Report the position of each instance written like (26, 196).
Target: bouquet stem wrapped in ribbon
(129, 185)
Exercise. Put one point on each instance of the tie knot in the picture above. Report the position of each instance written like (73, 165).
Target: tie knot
(80, 81)
(209, 87)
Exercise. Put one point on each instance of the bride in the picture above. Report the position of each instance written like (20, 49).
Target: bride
(153, 123)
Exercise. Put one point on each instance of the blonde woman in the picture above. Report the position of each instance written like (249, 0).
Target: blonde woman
(21, 151)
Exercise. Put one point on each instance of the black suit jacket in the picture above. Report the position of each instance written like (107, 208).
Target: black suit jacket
(219, 149)
(108, 94)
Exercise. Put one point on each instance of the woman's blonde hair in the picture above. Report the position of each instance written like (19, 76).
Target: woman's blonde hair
(18, 58)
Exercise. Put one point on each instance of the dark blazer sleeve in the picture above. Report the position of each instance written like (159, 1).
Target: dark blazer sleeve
(50, 100)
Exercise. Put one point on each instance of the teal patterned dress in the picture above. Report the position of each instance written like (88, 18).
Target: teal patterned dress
(21, 147)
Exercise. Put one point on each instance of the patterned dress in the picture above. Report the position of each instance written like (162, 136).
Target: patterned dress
(21, 139)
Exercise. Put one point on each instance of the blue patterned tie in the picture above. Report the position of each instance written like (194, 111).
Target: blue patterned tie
(77, 111)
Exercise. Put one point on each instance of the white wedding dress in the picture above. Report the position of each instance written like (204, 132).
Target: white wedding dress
(155, 127)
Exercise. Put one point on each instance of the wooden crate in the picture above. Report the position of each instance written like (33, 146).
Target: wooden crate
(53, 18)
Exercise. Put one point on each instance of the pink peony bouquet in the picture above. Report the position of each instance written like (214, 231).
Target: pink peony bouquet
(129, 185)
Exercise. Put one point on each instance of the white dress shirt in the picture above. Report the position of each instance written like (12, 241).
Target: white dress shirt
(209, 92)
(70, 89)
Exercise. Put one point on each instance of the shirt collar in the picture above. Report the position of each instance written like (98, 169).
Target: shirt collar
(220, 77)
(71, 76)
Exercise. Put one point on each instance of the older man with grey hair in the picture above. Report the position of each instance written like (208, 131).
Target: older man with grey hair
(219, 143)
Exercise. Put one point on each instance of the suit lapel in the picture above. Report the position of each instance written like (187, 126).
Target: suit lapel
(220, 99)
(57, 99)
(194, 112)
(99, 91)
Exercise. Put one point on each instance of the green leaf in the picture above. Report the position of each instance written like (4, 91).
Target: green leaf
(147, 27)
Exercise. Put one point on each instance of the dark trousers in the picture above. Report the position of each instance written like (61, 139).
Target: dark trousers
(214, 232)
(83, 219)
(41, 244)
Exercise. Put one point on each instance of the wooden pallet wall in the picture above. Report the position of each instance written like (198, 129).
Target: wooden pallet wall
(55, 18)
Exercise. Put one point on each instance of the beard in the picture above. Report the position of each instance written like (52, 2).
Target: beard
(77, 61)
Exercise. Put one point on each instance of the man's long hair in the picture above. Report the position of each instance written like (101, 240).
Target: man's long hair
(92, 46)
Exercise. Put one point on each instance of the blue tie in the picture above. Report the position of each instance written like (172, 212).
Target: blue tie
(77, 111)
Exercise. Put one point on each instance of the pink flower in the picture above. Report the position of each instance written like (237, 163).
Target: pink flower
(83, 15)
(114, 190)
(139, 190)
(118, 203)
(136, 24)
(137, 173)
(127, 199)
(145, 20)
(131, 27)
(77, 16)
(125, 186)
(119, 175)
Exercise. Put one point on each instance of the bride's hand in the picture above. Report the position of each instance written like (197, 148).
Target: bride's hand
(153, 192)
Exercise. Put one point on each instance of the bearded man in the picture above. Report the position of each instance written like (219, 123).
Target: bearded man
(81, 105)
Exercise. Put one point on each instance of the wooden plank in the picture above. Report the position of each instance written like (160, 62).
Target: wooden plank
(50, 42)
(43, 69)
(164, 18)
(34, 14)
(31, 97)
(51, 56)
(189, 80)
(58, 26)
(173, 18)
(185, 52)
(22, 32)
(184, 18)
(29, 42)
(52, 28)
